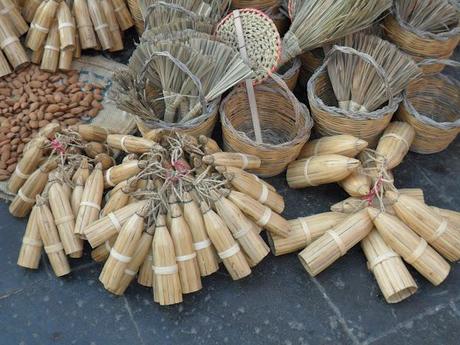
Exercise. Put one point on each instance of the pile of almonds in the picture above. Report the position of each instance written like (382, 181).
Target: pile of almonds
(31, 98)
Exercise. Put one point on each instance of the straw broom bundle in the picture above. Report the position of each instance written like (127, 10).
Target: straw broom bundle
(130, 143)
(189, 271)
(167, 286)
(205, 252)
(145, 275)
(257, 191)
(395, 143)
(123, 16)
(41, 24)
(50, 237)
(82, 172)
(121, 172)
(91, 199)
(210, 146)
(304, 231)
(50, 57)
(101, 253)
(227, 249)
(30, 8)
(452, 216)
(11, 46)
(336, 19)
(5, 68)
(413, 249)
(356, 184)
(119, 198)
(100, 23)
(10, 12)
(28, 163)
(243, 173)
(344, 145)
(389, 270)
(427, 224)
(335, 242)
(242, 230)
(66, 26)
(318, 170)
(85, 26)
(31, 247)
(232, 159)
(77, 193)
(34, 185)
(115, 33)
(65, 59)
(92, 132)
(262, 215)
(122, 251)
(106, 227)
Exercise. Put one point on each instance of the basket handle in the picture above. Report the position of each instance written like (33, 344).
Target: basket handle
(366, 57)
(294, 101)
(182, 67)
(175, 7)
(427, 62)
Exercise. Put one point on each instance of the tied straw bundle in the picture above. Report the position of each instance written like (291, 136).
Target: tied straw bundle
(169, 207)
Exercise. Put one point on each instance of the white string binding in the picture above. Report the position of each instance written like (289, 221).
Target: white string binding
(439, 231)
(202, 244)
(305, 172)
(165, 270)
(32, 242)
(20, 173)
(119, 257)
(91, 204)
(50, 47)
(108, 179)
(40, 28)
(63, 220)
(245, 161)
(25, 198)
(379, 259)
(338, 241)
(229, 252)
(264, 194)
(130, 272)
(188, 257)
(265, 217)
(122, 144)
(240, 233)
(306, 229)
(54, 248)
(396, 136)
(100, 27)
(417, 253)
(114, 220)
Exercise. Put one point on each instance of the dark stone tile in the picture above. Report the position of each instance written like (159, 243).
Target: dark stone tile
(438, 325)
(73, 310)
(278, 304)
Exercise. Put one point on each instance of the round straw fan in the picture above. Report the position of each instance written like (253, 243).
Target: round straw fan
(258, 37)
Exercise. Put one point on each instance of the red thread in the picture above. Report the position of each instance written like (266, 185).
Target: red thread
(57, 146)
(374, 191)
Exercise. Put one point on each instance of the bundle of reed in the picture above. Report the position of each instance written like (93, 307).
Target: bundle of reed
(10, 13)
(31, 247)
(11, 46)
(344, 145)
(41, 24)
(318, 170)
(335, 242)
(331, 120)
(395, 142)
(123, 16)
(114, 27)
(431, 106)
(50, 57)
(85, 26)
(389, 270)
(66, 26)
(357, 184)
(136, 13)
(316, 23)
(425, 30)
(29, 9)
(432, 227)
(305, 230)
(285, 126)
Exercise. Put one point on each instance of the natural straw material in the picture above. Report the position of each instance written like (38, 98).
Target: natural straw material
(31, 247)
(344, 145)
(39, 28)
(85, 26)
(389, 270)
(9, 11)
(395, 143)
(432, 106)
(66, 26)
(285, 124)
(335, 243)
(331, 120)
(289, 73)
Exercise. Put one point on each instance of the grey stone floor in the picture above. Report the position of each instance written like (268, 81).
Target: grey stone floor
(278, 304)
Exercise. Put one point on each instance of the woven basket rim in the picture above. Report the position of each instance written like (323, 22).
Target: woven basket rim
(292, 70)
(302, 132)
(426, 120)
(443, 36)
(212, 108)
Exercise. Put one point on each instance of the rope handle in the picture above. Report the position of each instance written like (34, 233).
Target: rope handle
(171, 6)
(447, 62)
(182, 67)
(366, 57)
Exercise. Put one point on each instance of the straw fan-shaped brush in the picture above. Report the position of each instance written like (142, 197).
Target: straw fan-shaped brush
(316, 22)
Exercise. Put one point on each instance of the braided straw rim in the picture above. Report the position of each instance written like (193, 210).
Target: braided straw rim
(314, 99)
(262, 20)
(442, 36)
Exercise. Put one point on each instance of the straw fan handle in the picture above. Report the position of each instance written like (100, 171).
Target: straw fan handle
(249, 85)
(451, 63)
(182, 67)
(366, 57)
(175, 7)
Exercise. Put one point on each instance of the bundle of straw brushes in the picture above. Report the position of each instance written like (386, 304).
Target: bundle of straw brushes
(59, 31)
(169, 212)
(394, 226)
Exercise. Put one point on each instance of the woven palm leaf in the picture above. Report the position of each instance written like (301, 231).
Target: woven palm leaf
(317, 22)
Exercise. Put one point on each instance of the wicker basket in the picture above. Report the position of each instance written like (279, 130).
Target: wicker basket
(432, 106)
(285, 122)
(262, 5)
(289, 72)
(331, 120)
(200, 125)
(420, 44)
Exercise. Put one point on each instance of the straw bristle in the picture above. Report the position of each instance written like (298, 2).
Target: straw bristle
(31, 247)
(100, 24)
(50, 58)
(395, 143)
(66, 26)
(124, 19)
(85, 26)
(356, 184)
(114, 28)
(43, 19)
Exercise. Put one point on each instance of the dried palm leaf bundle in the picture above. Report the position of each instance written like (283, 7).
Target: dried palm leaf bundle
(305, 230)
(245, 174)
(145, 275)
(431, 106)
(31, 247)
(356, 184)
(10, 12)
(453, 217)
(230, 159)
(412, 248)
(85, 26)
(318, 170)
(433, 228)
(424, 29)
(50, 57)
(29, 8)
(11, 46)
(344, 145)
(77, 193)
(50, 237)
(129, 143)
(316, 23)
(389, 270)
(101, 25)
(41, 24)
(123, 16)
(5, 68)
(335, 242)
(66, 26)
(395, 142)
(115, 30)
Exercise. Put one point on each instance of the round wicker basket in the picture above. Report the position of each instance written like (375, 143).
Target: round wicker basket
(420, 44)
(289, 72)
(262, 5)
(200, 125)
(331, 120)
(285, 122)
(432, 106)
